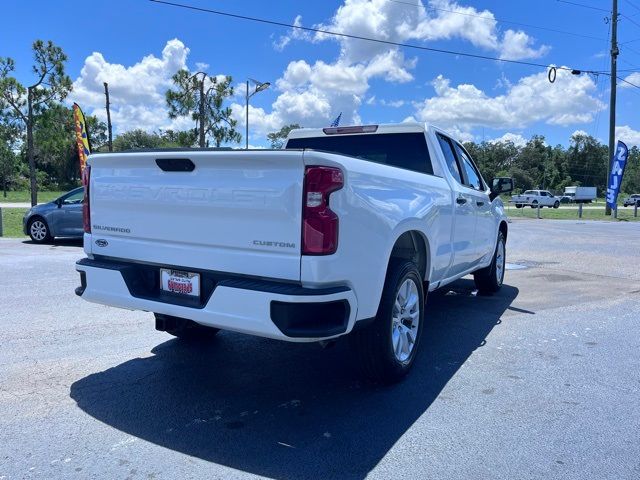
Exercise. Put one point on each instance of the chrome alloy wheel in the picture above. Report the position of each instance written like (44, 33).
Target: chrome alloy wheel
(500, 262)
(38, 230)
(405, 320)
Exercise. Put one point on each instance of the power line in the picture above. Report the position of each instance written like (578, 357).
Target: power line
(375, 40)
(492, 19)
(584, 6)
(633, 5)
(630, 19)
(627, 47)
(628, 82)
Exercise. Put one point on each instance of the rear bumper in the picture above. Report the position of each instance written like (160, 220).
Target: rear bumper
(270, 309)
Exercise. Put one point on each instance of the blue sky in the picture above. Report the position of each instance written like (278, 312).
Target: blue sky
(137, 45)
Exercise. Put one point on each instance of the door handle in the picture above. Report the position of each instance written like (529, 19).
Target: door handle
(479, 203)
(461, 200)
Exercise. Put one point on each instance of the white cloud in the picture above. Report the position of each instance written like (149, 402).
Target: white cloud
(532, 99)
(401, 21)
(312, 95)
(392, 103)
(294, 34)
(579, 133)
(519, 45)
(515, 138)
(136, 92)
(633, 78)
(628, 135)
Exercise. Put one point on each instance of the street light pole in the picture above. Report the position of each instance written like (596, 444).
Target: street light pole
(260, 86)
(246, 136)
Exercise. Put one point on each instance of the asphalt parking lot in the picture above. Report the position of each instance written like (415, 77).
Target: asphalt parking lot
(539, 381)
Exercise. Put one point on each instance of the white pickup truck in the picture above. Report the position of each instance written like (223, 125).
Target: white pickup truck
(342, 232)
(535, 199)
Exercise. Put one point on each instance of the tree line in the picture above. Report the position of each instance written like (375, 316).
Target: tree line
(38, 148)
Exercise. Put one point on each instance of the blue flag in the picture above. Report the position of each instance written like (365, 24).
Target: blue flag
(336, 122)
(617, 171)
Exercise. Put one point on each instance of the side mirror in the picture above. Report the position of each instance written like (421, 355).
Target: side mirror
(59, 203)
(500, 185)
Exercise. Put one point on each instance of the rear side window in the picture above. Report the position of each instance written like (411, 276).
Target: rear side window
(403, 150)
(450, 158)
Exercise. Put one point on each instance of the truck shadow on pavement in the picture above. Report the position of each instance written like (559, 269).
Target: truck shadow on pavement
(287, 410)
(57, 242)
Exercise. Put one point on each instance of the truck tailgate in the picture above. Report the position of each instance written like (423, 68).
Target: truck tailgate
(236, 211)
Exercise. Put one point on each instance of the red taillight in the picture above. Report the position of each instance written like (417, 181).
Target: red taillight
(319, 223)
(86, 213)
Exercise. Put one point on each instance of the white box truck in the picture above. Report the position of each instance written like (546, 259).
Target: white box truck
(581, 194)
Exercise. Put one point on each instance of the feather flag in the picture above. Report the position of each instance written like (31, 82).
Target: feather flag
(336, 122)
(82, 137)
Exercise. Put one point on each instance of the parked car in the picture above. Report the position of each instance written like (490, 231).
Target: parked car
(632, 200)
(535, 198)
(60, 218)
(342, 232)
(566, 199)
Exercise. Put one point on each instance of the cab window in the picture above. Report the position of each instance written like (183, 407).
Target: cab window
(472, 176)
(450, 158)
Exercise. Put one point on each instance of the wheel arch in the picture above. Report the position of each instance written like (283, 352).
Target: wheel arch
(504, 229)
(413, 245)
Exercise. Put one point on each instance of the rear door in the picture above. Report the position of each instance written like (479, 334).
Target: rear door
(237, 211)
(464, 223)
(69, 215)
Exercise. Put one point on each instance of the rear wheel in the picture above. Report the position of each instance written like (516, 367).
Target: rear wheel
(39, 230)
(387, 348)
(184, 329)
(518, 205)
(489, 279)
(534, 204)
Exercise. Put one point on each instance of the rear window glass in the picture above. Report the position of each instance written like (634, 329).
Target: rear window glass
(404, 150)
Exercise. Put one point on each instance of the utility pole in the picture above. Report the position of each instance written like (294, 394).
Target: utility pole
(201, 114)
(612, 101)
(108, 104)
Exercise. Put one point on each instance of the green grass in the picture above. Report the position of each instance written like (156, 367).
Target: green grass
(25, 196)
(12, 222)
(624, 214)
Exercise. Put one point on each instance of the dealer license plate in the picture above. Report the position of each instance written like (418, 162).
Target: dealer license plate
(177, 281)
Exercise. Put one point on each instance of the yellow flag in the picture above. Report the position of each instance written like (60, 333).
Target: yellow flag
(82, 137)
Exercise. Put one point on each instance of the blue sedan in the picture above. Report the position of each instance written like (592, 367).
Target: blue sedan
(60, 218)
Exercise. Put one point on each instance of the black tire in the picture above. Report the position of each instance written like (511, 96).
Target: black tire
(518, 205)
(534, 204)
(557, 204)
(489, 280)
(38, 230)
(374, 344)
(184, 329)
